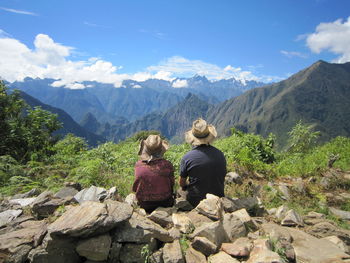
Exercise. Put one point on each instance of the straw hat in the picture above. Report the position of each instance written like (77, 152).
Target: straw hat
(153, 147)
(201, 133)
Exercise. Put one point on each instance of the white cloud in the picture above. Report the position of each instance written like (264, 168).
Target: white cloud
(291, 54)
(16, 11)
(4, 34)
(180, 83)
(334, 37)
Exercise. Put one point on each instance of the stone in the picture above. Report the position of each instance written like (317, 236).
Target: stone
(285, 191)
(198, 219)
(263, 253)
(31, 193)
(30, 233)
(243, 215)
(338, 242)
(281, 212)
(162, 216)
(91, 194)
(345, 215)
(222, 257)
(131, 199)
(182, 204)
(233, 227)
(316, 215)
(210, 207)
(292, 218)
(241, 247)
(233, 177)
(204, 245)
(131, 253)
(182, 222)
(8, 216)
(75, 185)
(172, 253)
(299, 186)
(325, 229)
(20, 254)
(228, 205)
(114, 252)
(214, 232)
(141, 229)
(157, 257)
(95, 248)
(194, 256)
(247, 203)
(112, 194)
(91, 218)
(23, 202)
(66, 192)
(44, 205)
(175, 233)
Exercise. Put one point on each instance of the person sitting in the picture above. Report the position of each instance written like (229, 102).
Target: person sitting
(154, 176)
(204, 165)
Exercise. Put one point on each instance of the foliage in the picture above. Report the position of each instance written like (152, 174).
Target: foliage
(142, 135)
(68, 149)
(301, 138)
(146, 253)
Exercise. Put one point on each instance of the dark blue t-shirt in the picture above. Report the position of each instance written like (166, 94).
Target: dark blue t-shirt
(205, 166)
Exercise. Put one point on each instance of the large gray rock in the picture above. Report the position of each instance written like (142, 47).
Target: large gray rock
(131, 253)
(222, 257)
(262, 253)
(204, 245)
(44, 204)
(211, 207)
(240, 248)
(30, 234)
(8, 216)
(140, 229)
(345, 215)
(233, 227)
(325, 229)
(95, 248)
(91, 194)
(338, 242)
(212, 231)
(182, 222)
(114, 252)
(162, 216)
(23, 202)
(91, 218)
(292, 218)
(157, 257)
(285, 191)
(194, 256)
(172, 253)
(131, 199)
(198, 219)
(31, 193)
(66, 192)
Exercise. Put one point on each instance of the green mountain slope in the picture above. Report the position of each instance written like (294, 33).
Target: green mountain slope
(318, 95)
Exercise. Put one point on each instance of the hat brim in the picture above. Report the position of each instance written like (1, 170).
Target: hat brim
(191, 139)
(144, 155)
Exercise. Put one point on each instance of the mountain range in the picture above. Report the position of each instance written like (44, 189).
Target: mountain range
(318, 95)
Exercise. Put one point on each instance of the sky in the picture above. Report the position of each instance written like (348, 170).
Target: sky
(112, 40)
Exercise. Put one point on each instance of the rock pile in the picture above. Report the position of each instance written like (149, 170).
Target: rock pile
(94, 225)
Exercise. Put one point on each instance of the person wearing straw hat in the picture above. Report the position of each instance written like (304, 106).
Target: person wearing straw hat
(204, 166)
(154, 176)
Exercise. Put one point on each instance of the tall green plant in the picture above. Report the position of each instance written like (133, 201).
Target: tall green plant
(302, 138)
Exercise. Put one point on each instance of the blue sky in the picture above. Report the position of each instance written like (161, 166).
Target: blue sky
(109, 41)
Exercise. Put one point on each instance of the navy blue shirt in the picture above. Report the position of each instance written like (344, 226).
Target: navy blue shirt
(205, 166)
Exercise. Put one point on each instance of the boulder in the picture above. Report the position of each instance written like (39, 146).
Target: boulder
(194, 256)
(285, 191)
(292, 218)
(243, 215)
(325, 229)
(114, 252)
(233, 177)
(182, 222)
(162, 216)
(66, 192)
(228, 205)
(131, 199)
(95, 248)
(132, 253)
(91, 218)
(198, 219)
(345, 215)
(239, 248)
(211, 207)
(233, 227)
(23, 202)
(44, 204)
(8, 216)
(91, 194)
(182, 204)
(338, 242)
(214, 232)
(157, 257)
(281, 212)
(31, 193)
(204, 245)
(222, 257)
(263, 253)
(172, 253)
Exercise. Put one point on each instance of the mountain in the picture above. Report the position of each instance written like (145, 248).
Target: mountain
(69, 125)
(318, 95)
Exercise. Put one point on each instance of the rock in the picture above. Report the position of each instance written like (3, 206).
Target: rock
(20, 254)
(292, 218)
(281, 212)
(275, 232)
(172, 253)
(23, 202)
(91, 194)
(299, 186)
(95, 248)
(194, 256)
(313, 214)
(247, 203)
(131, 253)
(338, 242)
(233, 177)
(175, 233)
(204, 245)
(233, 227)
(240, 248)
(285, 191)
(198, 219)
(31, 193)
(325, 229)
(8, 216)
(210, 207)
(141, 229)
(162, 216)
(157, 257)
(243, 215)
(75, 185)
(91, 218)
(44, 205)
(222, 257)
(66, 192)
(228, 205)
(131, 199)
(112, 194)
(183, 223)
(214, 232)
(262, 253)
(182, 204)
(30, 233)
(345, 215)
(114, 253)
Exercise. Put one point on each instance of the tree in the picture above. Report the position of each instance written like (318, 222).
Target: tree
(301, 138)
(25, 133)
